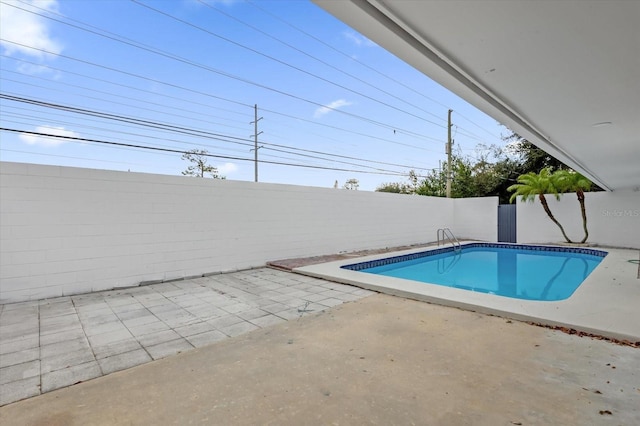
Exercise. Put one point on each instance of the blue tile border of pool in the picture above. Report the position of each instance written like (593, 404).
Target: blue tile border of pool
(395, 259)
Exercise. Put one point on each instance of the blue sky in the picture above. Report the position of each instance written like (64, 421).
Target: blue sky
(182, 75)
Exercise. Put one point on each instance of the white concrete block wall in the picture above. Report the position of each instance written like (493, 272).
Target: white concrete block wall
(613, 219)
(68, 230)
(476, 218)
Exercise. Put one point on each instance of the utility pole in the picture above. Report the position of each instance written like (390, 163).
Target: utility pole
(449, 143)
(255, 140)
(440, 177)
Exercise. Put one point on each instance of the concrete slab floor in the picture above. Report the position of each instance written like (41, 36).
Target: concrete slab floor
(53, 343)
(380, 360)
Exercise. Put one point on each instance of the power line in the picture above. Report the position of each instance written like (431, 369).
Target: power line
(122, 72)
(136, 44)
(273, 144)
(177, 58)
(477, 125)
(175, 115)
(378, 138)
(218, 97)
(326, 159)
(356, 60)
(293, 117)
(190, 101)
(195, 132)
(226, 149)
(120, 103)
(111, 131)
(117, 117)
(348, 56)
(66, 156)
(272, 58)
(176, 151)
(352, 131)
(337, 155)
(375, 87)
(125, 40)
(266, 144)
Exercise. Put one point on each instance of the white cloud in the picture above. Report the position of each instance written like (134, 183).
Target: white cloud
(227, 168)
(28, 29)
(30, 139)
(358, 39)
(35, 69)
(323, 110)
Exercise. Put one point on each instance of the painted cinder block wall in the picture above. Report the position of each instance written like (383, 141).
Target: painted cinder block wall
(68, 230)
(476, 218)
(613, 219)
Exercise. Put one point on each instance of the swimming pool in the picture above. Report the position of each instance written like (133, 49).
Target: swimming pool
(538, 273)
(605, 304)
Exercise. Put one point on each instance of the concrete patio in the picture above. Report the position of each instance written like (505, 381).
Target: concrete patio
(379, 360)
(53, 343)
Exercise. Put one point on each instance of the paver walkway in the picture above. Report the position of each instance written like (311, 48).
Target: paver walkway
(53, 343)
(292, 263)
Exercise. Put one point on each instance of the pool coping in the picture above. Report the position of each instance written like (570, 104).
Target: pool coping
(604, 304)
(359, 266)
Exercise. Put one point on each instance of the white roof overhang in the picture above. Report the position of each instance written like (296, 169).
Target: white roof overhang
(563, 74)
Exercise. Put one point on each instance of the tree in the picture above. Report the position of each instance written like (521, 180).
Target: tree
(571, 181)
(494, 170)
(490, 172)
(463, 184)
(532, 158)
(352, 184)
(433, 184)
(199, 166)
(506, 172)
(395, 188)
(531, 184)
(399, 187)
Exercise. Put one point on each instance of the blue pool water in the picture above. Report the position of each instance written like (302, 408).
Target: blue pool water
(521, 272)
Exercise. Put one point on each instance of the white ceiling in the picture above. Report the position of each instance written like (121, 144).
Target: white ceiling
(549, 70)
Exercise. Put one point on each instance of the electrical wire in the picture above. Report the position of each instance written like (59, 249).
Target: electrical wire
(124, 104)
(346, 55)
(218, 97)
(186, 131)
(125, 86)
(162, 112)
(111, 131)
(223, 73)
(282, 145)
(125, 40)
(67, 156)
(290, 46)
(176, 151)
(370, 68)
(272, 58)
(118, 117)
(293, 117)
(253, 50)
